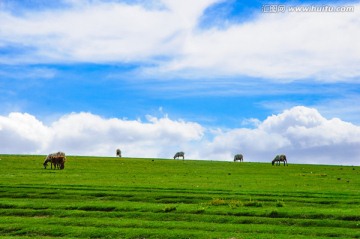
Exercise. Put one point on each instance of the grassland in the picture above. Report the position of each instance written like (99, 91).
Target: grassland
(97, 197)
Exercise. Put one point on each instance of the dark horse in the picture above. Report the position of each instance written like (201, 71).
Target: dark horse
(238, 157)
(280, 158)
(118, 153)
(179, 154)
(57, 159)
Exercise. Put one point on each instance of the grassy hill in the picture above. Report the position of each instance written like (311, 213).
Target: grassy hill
(99, 197)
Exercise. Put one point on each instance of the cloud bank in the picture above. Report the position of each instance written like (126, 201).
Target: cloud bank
(167, 37)
(89, 134)
(300, 132)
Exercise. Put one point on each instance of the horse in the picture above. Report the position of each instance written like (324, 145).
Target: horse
(278, 159)
(58, 159)
(238, 157)
(47, 160)
(118, 153)
(59, 162)
(179, 154)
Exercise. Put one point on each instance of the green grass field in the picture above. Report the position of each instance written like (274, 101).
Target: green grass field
(98, 197)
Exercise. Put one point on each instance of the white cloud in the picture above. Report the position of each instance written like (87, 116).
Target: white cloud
(88, 134)
(102, 31)
(300, 132)
(166, 35)
(279, 46)
(22, 133)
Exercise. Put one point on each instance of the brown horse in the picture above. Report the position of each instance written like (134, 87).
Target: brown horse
(278, 159)
(57, 159)
(59, 162)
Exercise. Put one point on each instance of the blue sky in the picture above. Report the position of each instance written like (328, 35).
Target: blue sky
(223, 65)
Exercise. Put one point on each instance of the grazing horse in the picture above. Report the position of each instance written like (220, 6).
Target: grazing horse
(59, 162)
(58, 159)
(238, 157)
(118, 153)
(179, 154)
(47, 160)
(278, 159)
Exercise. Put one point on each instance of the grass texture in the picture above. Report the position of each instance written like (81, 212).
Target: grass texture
(104, 197)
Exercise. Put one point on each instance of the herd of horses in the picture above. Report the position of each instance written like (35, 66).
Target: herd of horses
(276, 161)
(239, 157)
(58, 159)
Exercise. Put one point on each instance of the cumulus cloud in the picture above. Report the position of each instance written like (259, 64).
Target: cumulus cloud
(302, 133)
(89, 134)
(22, 133)
(166, 35)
